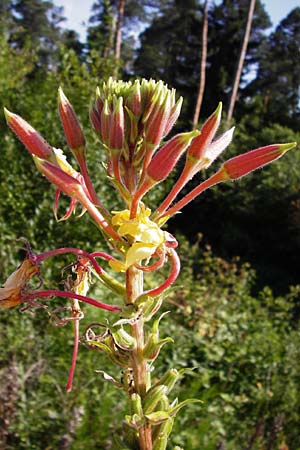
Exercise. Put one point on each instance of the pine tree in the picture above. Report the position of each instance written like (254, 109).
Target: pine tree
(202, 77)
(39, 22)
(241, 61)
(170, 48)
(227, 29)
(113, 24)
(278, 75)
(100, 33)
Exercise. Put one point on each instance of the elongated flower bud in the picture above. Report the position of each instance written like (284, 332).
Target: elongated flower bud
(152, 398)
(99, 101)
(158, 119)
(70, 122)
(65, 182)
(241, 165)
(32, 140)
(134, 103)
(95, 120)
(208, 132)
(72, 187)
(164, 161)
(166, 158)
(116, 133)
(105, 122)
(233, 169)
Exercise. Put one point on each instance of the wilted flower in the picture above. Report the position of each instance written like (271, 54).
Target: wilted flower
(13, 291)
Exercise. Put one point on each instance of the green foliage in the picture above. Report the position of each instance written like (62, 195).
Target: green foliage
(244, 353)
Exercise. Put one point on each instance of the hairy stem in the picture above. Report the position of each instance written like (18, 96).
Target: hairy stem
(134, 288)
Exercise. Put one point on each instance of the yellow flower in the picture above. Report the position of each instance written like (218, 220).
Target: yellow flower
(11, 292)
(144, 235)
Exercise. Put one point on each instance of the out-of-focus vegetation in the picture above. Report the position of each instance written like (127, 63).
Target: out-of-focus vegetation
(236, 325)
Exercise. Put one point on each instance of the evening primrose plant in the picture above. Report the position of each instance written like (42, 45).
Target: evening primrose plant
(132, 121)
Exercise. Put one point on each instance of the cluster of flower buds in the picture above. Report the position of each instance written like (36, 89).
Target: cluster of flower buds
(132, 120)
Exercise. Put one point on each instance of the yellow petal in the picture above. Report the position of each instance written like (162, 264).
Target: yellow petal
(117, 266)
(120, 217)
(62, 161)
(139, 251)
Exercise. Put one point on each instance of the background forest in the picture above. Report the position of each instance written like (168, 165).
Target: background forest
(235, 309)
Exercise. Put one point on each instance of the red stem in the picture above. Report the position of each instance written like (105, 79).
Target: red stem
(97, 216)
(82, 298)
(155, 266)
(74, 356)
(171, 278)
(216, 178)
(103, 255)
(90, 186)
(76, 251)
(184, 178)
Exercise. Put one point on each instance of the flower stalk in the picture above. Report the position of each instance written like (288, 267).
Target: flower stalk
(130, 120)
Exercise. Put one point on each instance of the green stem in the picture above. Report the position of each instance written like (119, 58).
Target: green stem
(134, 288)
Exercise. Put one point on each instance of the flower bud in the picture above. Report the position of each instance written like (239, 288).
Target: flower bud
(157, 417)
(153, 397)
(95, 120)
(65, 182)
(241, 165)
(117, 126)
(73, 132)
(105, 122)
(208, 131)
(157, 122)
(133, 127)
(134, 103)
(152, 94)
(166, 158)
(99, 101)
(136, 404)
(162, 435)
(169, 379)
(32, 140)
(123, 339)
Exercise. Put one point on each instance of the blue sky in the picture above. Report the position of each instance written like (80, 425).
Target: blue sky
(77, 12)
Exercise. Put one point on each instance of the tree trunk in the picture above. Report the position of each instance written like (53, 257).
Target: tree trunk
(118, 42)
(240, 63)
(202, 66)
